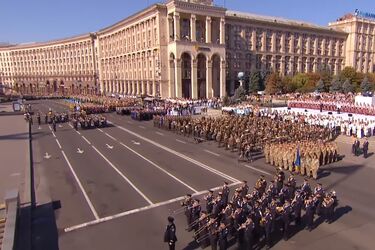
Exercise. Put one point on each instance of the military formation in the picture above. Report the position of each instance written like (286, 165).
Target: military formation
(254, 217)
(303, 158)
(85, 121)
(276, 137)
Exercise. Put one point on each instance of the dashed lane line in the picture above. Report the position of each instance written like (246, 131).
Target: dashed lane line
(185, 157)
(123, 176)
(137, 210)
(86, 140)
(210, 152)
(183, 142)
(58, 143)
(256, 169)
(81, 187)
(159, 133)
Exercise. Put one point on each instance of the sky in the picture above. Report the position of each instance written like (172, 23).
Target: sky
(23, 21)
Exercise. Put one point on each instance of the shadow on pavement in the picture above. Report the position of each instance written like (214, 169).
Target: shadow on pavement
(18, 136)
(44, 229)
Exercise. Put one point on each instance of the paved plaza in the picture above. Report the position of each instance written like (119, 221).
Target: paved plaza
(113, 188)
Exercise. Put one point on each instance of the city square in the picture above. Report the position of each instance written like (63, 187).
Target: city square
(188, 125)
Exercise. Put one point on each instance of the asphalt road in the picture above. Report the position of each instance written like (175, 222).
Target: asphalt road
(117, 185)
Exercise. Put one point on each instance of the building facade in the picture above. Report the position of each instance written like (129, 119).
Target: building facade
(360, 49)
(185, 48)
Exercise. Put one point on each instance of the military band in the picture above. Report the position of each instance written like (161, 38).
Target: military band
(251, 218)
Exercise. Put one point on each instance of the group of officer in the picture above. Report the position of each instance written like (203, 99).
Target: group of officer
(311, 154)
(356, 147)
(251, 217)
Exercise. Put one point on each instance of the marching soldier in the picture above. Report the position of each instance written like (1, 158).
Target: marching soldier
(209, 201)
(309, 215)
(38, 118)
(54, 125)
(225, 192)
(223, 237)
(286, 214)
(188, 203)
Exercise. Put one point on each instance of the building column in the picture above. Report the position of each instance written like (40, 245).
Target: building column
(315, 66)
(144, 87)
(291, 47)
(209, 93)
(308, 64)
(222, 78)
(172, 78)
(282, 70)
(176, 18)
(177, 75)
(193, 28)
(134, 92)
(194, 78)
(282, 43)
(222, 31)
(169, 29)
(273, 48)
(291, 66)
(208, 29)
(299, 65)
(273, 63)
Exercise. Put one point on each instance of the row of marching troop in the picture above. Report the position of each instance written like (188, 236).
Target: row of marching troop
(292, 145)
(254, 218)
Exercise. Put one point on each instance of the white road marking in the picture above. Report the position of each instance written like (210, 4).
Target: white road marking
(71, 125)
(86, 140)
(109, 146)
(81, 187)
(78, 132)
(202, 165)
(50, 128)
(256, 169)
(47, 156)
(53, 134)
(123, 176)
(80, 151)
(143, 127)
(160, 168)
(100, 130)
(61, 126)
(136, 142)
(15, 174)
(110, 136)
(159, 133)
(129, 122)
(210, 152)
(58, 143)
(183, 142)
(137, 210)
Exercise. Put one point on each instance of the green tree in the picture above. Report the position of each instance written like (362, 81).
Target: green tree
(366, 86)
(274, 84)
(320, 86)
(239, 94)
(347, 87)
(299, 80)
(354, 77)
(325, 74)
(336, 85)
(255, 82)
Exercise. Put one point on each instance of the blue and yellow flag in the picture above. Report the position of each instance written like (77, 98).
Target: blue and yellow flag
(297, 163)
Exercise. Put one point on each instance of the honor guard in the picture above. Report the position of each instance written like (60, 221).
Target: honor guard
(286, 214)
(365, 148)
(225, 191)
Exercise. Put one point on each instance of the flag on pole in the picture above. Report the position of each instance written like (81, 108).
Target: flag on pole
(297, 163)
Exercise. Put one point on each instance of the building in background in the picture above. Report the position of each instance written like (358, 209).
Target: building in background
(190, 49)
(360, 42)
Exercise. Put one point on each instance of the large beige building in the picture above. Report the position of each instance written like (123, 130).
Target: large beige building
(185, 48)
